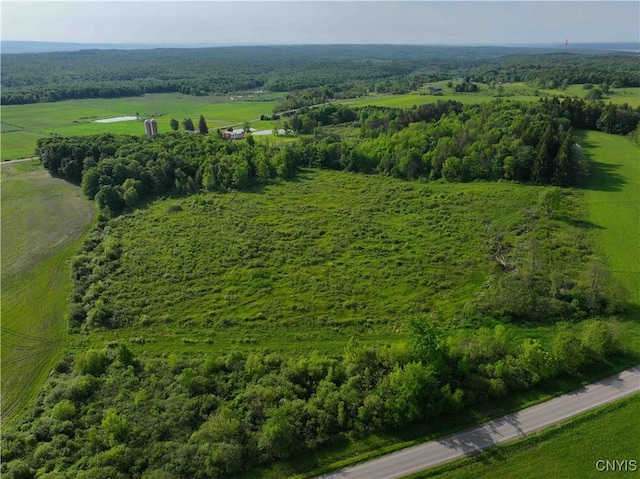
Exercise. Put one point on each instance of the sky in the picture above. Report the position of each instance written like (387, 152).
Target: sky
(321, 22)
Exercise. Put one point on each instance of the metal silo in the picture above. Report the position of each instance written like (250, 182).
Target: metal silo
(154, 127)
(147, 128)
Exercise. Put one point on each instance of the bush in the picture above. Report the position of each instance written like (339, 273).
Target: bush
(18, 469)
(64, 410)
(91, 362)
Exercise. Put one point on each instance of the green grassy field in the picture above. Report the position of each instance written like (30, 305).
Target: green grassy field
(22, 125)
(513, 91)
(570, 449)
(42, 221)
(410, 99)
(613, 198)
(308, 264)
(630, 95)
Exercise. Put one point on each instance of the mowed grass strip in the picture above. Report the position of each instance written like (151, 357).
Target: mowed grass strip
(571, 449)
(42, 221)
(613, 198)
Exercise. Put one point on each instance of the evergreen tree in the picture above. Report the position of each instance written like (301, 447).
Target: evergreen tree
(544, 158)
(202, 126)
(187, 123)
(565, 173)
(174, 124)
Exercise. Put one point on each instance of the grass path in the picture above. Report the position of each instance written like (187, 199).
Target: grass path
(613, 198)
(43, 219)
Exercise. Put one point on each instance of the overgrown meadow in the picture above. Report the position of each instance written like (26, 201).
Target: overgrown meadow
(309, 263)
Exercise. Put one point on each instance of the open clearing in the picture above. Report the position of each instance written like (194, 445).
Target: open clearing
(304, 264)
(612, 193)
(618, 96)
(22, 125)
(613, 197)
(42, 221)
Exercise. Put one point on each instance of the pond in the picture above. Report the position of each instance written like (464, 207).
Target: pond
(117, 118)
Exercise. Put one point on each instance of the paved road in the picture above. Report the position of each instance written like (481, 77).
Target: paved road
(507, 428)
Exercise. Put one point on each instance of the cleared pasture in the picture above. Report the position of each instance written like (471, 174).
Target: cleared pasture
(42, 221)
(618, 96)
(24, 124)
(613, 199)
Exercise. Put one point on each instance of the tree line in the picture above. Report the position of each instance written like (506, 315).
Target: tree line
(526, 142)
(120, 171)
(342, 68)
(203, 71)
(111, 413)
(555, 70)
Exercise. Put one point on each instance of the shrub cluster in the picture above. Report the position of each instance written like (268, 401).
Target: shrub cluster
(110, 413)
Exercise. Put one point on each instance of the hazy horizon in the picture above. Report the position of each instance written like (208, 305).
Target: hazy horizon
(221, 23)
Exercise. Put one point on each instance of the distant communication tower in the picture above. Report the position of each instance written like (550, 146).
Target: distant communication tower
(565, 45)
(154, 127)
(147, 128)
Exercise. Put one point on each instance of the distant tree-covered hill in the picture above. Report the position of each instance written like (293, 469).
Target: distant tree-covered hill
(98, 73)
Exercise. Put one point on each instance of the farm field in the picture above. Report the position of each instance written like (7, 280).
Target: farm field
(410, 99)
(22, 125)
(617, 96)
(42, 221)
(612, 193)
(513, 91)
(570, 449)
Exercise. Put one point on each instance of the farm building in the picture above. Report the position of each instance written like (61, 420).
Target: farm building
(435, 90)
(233, 135)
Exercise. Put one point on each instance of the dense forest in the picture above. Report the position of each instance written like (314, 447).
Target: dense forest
(117, 73)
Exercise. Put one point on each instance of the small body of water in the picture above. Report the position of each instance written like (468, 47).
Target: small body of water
(117, 118)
